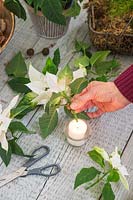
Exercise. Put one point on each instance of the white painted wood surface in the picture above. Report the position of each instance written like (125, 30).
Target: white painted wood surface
(112, 129)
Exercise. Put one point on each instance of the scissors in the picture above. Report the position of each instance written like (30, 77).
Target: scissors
(24, 171)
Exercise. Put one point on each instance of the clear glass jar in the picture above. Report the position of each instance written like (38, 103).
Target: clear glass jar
(77, 132)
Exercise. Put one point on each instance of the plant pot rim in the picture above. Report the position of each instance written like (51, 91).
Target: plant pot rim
(39, 13)
(103, 33)
(11, 33)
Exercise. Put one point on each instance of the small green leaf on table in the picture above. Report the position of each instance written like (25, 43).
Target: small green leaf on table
(50, 67)
(6, 156)
(18, 84)
(107, 193)
(18, 126)
(48, 122)
(56, 58)
(86, 175)
(95, 156)
(78, 85)
(113, 176)
(17, 66)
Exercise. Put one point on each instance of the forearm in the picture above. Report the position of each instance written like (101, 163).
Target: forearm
(125, 83)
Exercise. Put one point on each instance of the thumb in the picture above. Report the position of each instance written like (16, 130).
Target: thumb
(81, 101)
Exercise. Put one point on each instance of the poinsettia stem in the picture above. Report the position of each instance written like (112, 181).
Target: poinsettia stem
(66, 97)
(75, 115)
(96, 182)
(92, 72)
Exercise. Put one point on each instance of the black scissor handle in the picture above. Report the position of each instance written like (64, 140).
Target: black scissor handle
(42, 171)
(37, 154)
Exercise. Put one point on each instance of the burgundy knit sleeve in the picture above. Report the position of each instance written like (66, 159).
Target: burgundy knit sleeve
(124, 83)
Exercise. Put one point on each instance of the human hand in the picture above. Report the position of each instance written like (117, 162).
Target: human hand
(105, 96)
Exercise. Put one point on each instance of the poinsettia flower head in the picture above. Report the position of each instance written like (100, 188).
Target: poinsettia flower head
(53, 84)
(115, 161)
(38, 83)
(39, 86)
(5, 120)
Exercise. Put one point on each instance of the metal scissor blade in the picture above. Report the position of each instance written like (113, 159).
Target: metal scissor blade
(10, 177)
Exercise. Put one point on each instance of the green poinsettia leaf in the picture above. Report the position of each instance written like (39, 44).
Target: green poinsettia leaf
(48, 122)
(66, 75)
(18, 126)
(52, 10)
(81, 46)
(74, 10)
(85, 175)
(15, 7)
(102, 78)
(81, 115)
(6, 155)
(106, 66)
(95, 156)
(17, 66)
(56, 58)
(98, 57)
(24, 106)
(50, 67)
(16, 149)
(107, 193)
(113, 176)
(102, 152)
(18, 84)
(82, 61)
(78, 85)
(55, 99)
(16, 112)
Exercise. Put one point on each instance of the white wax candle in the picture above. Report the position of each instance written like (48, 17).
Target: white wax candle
(77, 129)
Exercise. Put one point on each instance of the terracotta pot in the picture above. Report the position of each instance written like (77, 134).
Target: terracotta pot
(46, 28)
(9, 20)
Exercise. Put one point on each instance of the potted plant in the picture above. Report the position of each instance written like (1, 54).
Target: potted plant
(111, 25)
(50, 17)
(6, 26)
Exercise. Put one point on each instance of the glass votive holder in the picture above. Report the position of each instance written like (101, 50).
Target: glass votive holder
(77, 132)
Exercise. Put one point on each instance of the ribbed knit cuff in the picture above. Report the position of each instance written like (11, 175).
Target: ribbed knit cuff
(125, 83)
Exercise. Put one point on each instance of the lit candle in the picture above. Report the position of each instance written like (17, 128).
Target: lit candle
(76, 132)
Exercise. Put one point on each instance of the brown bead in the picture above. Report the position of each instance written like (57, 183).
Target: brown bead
(45, 51)
(30, 52)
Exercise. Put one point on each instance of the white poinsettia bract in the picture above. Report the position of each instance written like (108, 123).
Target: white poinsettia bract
(38, 85)
(115, 161)
(5, 120)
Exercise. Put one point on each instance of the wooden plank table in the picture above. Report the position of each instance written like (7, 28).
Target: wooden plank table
(110, 130)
